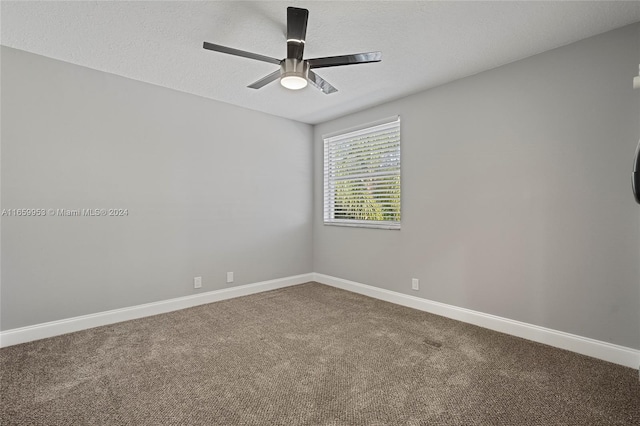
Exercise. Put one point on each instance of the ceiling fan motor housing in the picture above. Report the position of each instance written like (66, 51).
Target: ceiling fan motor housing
(294, 68)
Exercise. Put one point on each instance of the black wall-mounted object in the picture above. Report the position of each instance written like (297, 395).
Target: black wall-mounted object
(635, 177)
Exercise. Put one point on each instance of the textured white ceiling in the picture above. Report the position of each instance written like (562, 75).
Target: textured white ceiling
(423, 44)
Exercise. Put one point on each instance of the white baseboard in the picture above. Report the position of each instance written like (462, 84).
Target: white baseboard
(69, 325)
(582, 345)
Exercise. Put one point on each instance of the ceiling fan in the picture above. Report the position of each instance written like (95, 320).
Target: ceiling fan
(295, 72)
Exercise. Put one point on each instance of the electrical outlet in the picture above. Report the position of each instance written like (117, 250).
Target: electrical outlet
(229, 277)
(197, 282)
(415, 284)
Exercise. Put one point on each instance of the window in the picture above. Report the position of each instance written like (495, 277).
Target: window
(362, 177)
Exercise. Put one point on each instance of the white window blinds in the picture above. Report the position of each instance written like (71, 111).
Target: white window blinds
(362, 177)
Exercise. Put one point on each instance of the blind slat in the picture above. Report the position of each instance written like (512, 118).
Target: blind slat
(361, 150)
(367, 143)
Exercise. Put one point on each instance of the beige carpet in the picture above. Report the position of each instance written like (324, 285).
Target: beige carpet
(307, 355)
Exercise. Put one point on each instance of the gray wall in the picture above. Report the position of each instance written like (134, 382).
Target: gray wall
(210, 188)
(516, 193)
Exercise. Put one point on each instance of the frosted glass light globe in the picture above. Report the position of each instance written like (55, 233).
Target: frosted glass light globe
(293, 82)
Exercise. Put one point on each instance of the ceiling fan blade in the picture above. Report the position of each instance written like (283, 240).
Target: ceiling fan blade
(236, 52)
(265, 80)
(296, 32)
(336, 61)
(321, 83)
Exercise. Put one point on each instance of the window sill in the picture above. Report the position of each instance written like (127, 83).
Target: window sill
(351, 224)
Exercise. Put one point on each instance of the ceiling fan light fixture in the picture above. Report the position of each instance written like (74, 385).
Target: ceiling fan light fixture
(293, 82)
(294, 74)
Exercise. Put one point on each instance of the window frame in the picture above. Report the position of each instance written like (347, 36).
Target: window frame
(328, 202)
